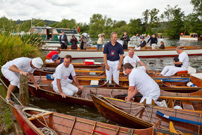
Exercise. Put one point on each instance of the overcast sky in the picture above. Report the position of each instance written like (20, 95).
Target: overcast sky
(82, 10)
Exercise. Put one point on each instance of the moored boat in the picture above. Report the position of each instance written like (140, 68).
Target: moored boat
(51, 35)
(128, 114)
(148, 53)
(192, 37)
(35, 121)
(172, 98)
(46, 91)
(78, 65)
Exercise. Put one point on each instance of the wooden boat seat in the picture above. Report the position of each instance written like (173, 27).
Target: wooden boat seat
(187, 105)
(183, 71)
(40, 115)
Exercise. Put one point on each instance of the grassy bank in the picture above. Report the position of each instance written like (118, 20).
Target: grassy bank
(6, 122)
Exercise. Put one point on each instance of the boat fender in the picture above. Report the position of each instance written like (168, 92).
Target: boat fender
(177, 107)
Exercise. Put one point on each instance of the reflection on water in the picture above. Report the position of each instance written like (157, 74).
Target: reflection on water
(69, 109)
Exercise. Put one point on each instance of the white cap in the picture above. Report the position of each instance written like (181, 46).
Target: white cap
(37, 62)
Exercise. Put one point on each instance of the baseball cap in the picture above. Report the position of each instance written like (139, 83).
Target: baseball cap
(55, 57)
(37, 62)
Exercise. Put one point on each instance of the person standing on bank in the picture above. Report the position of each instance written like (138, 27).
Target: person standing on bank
(113, 57)
(141, 82)
(125, 39)
(62, 73)
(74, 42)
(153, 42)
(24, 66)
(63, 41)
(180, 65)
(101, 38)
(82, 42)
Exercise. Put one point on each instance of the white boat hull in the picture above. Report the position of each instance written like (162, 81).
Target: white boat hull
(191, 38)
(90, 54)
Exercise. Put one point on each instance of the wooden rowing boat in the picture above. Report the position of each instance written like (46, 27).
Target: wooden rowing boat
(46, 91)
(100, 82)
(148, 53)
(172, 98)
(79, 71)
(129, 113)
(35, 121)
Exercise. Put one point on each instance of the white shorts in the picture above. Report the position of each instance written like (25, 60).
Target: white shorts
(11, 76)
(153, 46)
(69, 89)
(150, 97)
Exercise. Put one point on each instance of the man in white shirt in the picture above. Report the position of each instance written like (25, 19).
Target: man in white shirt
(133, 60)
(183, 61)
(23, 65)
(139, 81)
(62, 73)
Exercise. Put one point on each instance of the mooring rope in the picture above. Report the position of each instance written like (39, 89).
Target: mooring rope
(11, 93)
(46, 130)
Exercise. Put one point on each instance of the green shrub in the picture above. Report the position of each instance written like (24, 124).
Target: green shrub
(32, 39)
(12, 47)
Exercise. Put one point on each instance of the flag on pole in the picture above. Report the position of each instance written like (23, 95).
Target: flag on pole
(78, 29)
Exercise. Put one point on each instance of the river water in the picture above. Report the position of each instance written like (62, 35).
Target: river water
(92, 113)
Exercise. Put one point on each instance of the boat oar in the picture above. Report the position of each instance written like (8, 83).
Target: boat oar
(177, 119)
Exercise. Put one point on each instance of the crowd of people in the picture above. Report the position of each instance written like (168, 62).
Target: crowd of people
(152, 40)
(139, 80)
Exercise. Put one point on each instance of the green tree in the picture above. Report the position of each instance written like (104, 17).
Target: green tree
(83, 27)
(119, 24)
(154, 20)
(7, 25)
(97, 23)
(65, 23)
(192, 24)
(175, 23)
(146, 19)
(134, 27)
(197, 6)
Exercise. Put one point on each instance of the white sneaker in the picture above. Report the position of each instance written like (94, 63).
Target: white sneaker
(163, 104)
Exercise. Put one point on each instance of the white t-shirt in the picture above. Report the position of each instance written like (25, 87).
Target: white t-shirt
(183, 57)
(22, 63)
(144, 83)
(133, 61)
(62, 73)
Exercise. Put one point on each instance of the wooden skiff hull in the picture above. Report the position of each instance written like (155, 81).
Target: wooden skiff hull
(72, 125)
(127, 113)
